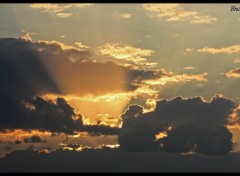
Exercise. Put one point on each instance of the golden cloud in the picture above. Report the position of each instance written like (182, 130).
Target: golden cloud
(58, 10)
(176, 78)
(174, 12)
(203, 19)
(64, 15)
(80, 45)
(127, 53)
(233, 73)
(226, 50)
(189, 68)
(237, 60)
(126, 15)
(63, 46)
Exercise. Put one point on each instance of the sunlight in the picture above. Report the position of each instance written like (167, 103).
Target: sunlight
(161, 135)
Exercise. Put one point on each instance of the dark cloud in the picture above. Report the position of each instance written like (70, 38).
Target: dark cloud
(21, 70)
(30, 69)
(114, 160)
(37, 113)
(33, 139)
(17, 142)
(135, 134)
(45, 115)
(191, 125)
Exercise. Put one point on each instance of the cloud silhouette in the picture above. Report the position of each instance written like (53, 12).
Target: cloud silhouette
(33, 139)
(113, 160)
(191, 125)
(31, 69)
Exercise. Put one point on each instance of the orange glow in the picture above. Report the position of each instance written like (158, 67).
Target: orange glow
(235, 130)
(81, 148)
(161, 135)
(94, 108)
(234, 115)
(20, 134)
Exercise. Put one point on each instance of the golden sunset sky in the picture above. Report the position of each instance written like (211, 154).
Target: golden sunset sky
(103, 57)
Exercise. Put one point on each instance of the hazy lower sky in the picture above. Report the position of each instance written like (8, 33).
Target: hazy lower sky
(85, 75)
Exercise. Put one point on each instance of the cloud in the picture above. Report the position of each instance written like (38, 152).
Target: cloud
(190, 125)
(54, 7)
(233, 73)
(26, 37)
(174, 12)
(17, 142)
(135, 134)
(64, 15)
(24, 79)
(80, 45)
(227, 50)
(127, 53)
(237, 60)
(33, 139)
(126, 15)
(22, 73)
(59, 62)
(50, 64)
(176, 78)
(91, 160)
(31, 69)
(189, 68)
(203, 19)
(45, 115)
(60, 46)
(59, 9)
(123, 15)
(70, 61)
(189, 49)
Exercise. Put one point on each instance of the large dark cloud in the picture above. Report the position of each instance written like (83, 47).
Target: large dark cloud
(30, 69)
(21, 71)
(44, 115)
(191, 125)
(135, 134)
(115, 161)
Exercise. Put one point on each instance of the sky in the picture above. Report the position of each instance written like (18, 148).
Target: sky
(136, 77)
